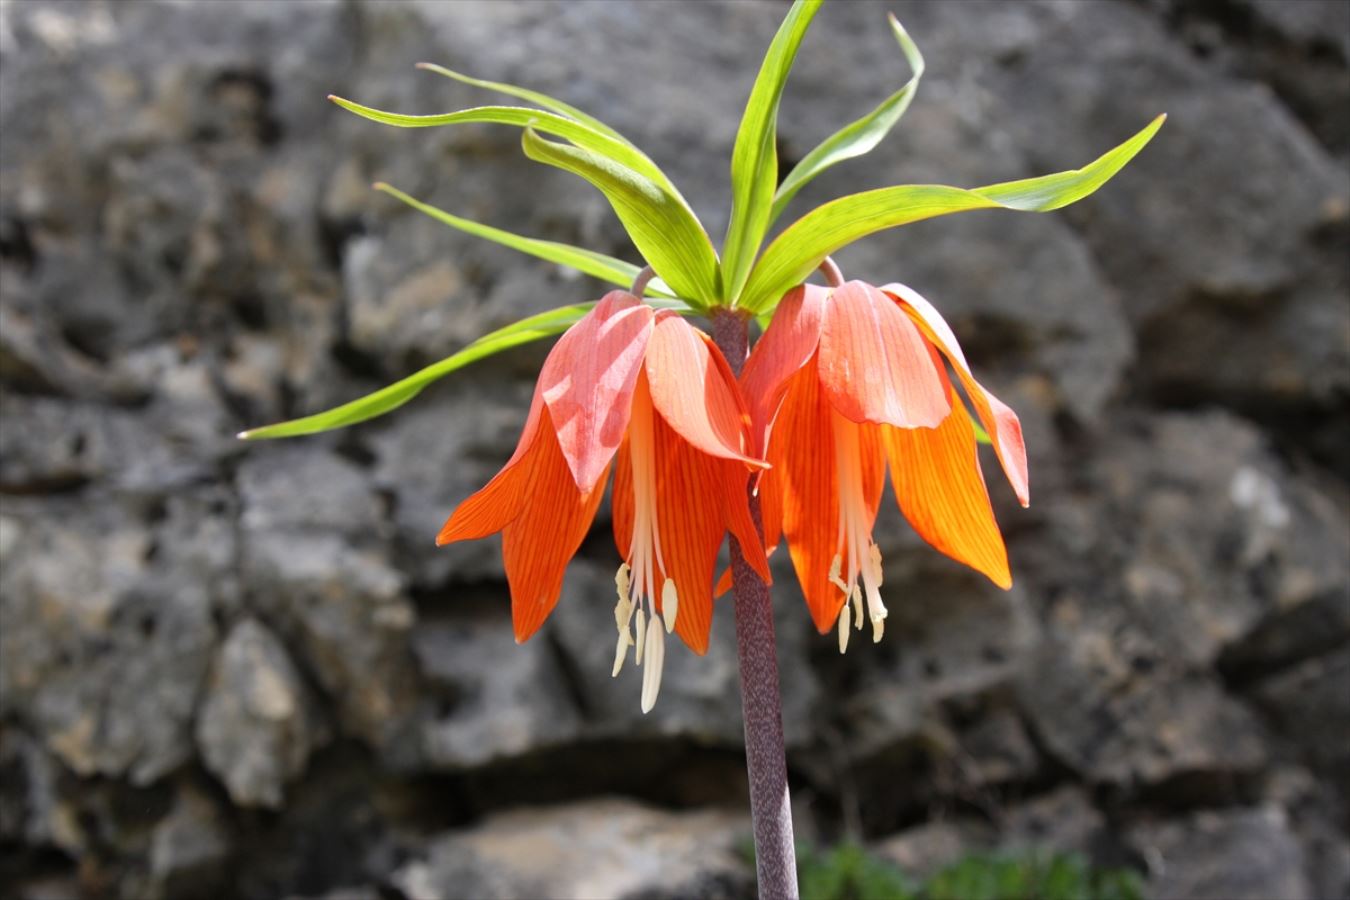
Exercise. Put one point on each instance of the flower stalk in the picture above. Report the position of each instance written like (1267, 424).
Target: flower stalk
(761, 697)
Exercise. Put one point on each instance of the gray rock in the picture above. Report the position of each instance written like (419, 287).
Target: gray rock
(438, 452)
(1116, 726)
(344, 611)
(258, 723)
(307, 487)
(1310, 703)
(104, 651)
(1242, 854)
(65, 445)
(497, 700)
(601, 849)
(1251, 313)
(1187, 541)
(1062, 821)
(190, 849)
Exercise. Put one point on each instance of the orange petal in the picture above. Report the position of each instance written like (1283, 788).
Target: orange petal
(693, 389)
(691, 522)
(588, 381)
(539, 543)
(873, 362)
(497, 503)
(723, 583)
(736, 482)
(621, 502)
(769, 489)
(998, 420)
(801, 453)
(786, 346)
(940, 489)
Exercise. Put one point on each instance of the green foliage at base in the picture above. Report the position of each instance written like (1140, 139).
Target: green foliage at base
(848, 872)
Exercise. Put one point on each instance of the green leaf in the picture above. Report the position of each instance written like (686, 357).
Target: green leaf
(598, 265)
(523, 117)
(802, 246)
(857, 137)
(754, 159)
(388, 398)
(544, 100)
(665, 232)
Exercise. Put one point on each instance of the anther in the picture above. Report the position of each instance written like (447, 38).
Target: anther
(651, 676)
(843, 629)
(835, 575)
(670, 604)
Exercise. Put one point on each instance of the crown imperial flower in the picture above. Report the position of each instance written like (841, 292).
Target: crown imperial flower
(646, 394)
(846, 381)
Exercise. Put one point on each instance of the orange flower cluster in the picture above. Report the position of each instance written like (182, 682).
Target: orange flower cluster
(846, 382)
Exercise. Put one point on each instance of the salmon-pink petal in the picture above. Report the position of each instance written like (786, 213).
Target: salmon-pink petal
(787, 344)
(588, 380)
(497, 503)
(940, 489)
(999, 421)
(873, 362)
(694, 391)
(539, 543)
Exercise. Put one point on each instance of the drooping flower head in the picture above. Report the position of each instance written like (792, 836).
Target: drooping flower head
(642, 392)
(845, 382)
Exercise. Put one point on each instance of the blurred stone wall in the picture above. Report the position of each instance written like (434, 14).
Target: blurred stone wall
(245, 671)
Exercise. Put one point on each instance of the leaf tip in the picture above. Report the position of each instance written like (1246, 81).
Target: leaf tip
(379, 186)
(246, 435)
(423, 65)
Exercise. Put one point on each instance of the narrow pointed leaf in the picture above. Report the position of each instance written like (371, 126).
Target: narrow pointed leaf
(797, 252)
(858, 137)
(578, 133)
(598, 265)
(665, 232)
(395, 395)
(544, 100)
(754, 159)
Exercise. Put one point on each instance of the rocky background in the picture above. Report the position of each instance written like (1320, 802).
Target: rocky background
(245, 671)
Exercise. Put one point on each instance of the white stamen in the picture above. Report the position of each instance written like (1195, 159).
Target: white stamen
(620, 651)
(651, 676)
(857, 557)
(843, 629)
(641, 635)
(670, 604)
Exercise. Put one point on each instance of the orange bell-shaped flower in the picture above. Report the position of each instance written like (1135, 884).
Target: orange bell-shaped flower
(649, 388)
(844, 382)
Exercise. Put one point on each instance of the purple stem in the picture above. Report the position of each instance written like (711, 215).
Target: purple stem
(765, 760)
